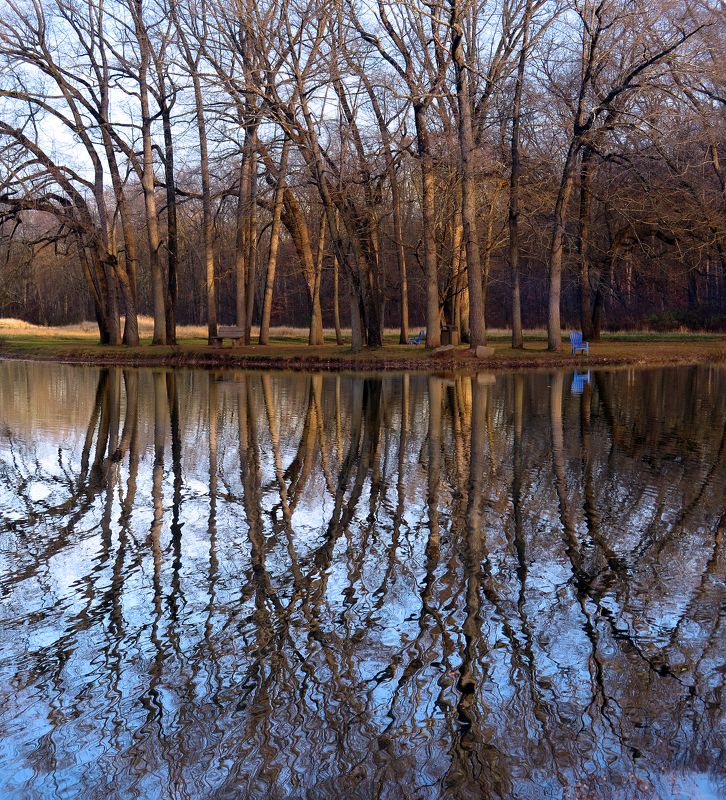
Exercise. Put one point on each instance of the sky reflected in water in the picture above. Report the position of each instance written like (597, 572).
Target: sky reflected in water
(249, 585)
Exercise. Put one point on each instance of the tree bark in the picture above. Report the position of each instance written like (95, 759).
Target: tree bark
(554, 326)
(172, 233)
(113, 318)
(126, 271)
(400, 255)
(428, 234)
(207, 216)
(315, 335)
(240, 259)
(336, 302)
(586, 167)
(514, 184)
(251, 254)
(356, 325)
(477, 322)
(148, 183)
(296, 223)
(461, 306)
(274, 246)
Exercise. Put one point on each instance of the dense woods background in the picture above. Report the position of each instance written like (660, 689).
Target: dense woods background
(365, 165)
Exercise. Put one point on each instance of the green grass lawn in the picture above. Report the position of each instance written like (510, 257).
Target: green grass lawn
(640, 348)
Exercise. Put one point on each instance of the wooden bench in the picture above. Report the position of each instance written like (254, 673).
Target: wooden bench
(578, 344)
(228, 332)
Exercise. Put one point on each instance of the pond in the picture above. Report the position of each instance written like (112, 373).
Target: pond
(269, 585)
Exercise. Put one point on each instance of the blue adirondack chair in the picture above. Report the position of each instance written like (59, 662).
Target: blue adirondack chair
(578, 344)
(579, 379)
(417, 339)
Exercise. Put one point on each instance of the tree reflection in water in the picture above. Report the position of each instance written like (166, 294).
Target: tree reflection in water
(267, 586)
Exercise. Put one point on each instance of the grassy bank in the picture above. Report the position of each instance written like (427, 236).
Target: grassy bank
(289, 350)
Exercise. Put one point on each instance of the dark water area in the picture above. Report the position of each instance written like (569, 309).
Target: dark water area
(249, 585)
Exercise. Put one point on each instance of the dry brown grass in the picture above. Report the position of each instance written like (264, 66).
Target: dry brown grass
(89, 329)
(9, 326)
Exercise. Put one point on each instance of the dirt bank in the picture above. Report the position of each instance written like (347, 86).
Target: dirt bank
(293, 355)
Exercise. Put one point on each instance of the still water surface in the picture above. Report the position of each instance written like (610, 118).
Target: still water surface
(339, 586)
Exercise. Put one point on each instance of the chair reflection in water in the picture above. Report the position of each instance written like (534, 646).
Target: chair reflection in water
(579, 379)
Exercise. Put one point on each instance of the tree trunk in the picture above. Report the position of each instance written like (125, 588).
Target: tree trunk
(353, 269)
(597, 314)
(207, 216)
(459, 278)
(252, 238)
(365, 286)
(486, 266)
(459, 269)
(515, 178)
(296, 223)
(240, 259)
(356, 326)
(172, 235)
(373, 297)
(693, 294)
(598, 310)
(274, 246)
(554, 327)
(584, 242)
(336, 302)
(400, 255)
(113, 320)
(98, 284)
(428, 214)
(315, 335)
(147, 183)
(128, 296)
(126, 271)
(477, 323)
